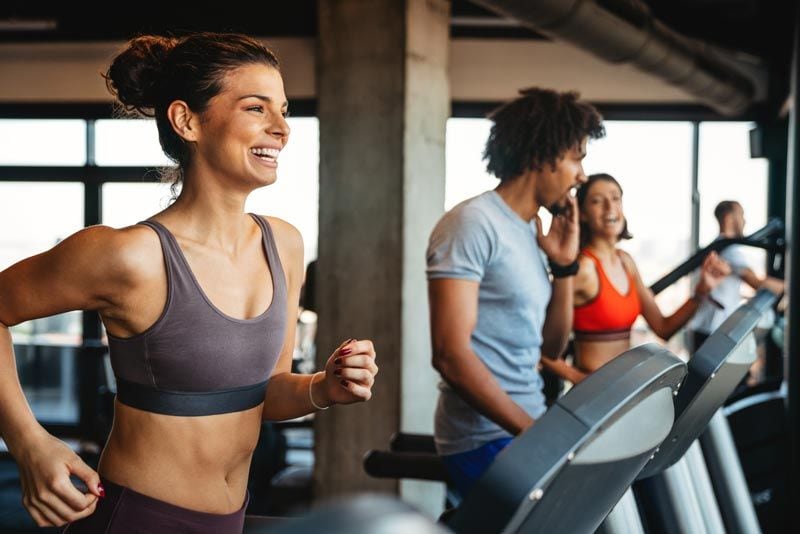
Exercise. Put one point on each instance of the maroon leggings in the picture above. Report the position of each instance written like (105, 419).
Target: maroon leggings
(125, 511)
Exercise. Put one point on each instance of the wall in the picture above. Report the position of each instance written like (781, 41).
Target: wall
(480, 70)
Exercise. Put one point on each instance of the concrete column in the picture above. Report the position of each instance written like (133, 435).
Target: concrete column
(383, 101)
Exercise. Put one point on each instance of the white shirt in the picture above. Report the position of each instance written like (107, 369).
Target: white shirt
(728, 293)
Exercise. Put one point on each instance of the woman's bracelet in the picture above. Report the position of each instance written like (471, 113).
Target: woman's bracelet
(310, 397)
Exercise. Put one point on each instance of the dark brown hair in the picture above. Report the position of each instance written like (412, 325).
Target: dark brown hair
(583, 192)
(153, 71)
(724, 208)
(536, 129)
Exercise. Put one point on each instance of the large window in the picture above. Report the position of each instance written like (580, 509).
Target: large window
(466, 174)
(128, 142)
(125, 204)
(295, 196)
(42, 142)
(35, 217)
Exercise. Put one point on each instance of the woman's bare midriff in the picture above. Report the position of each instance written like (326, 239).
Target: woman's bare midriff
(199, 463)
(592, 355)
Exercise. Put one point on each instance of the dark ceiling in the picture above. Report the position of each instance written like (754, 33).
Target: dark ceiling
(747, 25)
(87, 21)
(753, 26)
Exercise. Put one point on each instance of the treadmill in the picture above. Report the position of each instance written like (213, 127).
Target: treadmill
(571, 467)
(677, 494)
(676, 491)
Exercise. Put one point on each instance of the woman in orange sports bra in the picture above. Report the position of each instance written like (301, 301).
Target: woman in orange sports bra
(609, 292)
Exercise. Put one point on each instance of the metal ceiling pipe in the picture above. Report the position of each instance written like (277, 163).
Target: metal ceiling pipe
(624, 31)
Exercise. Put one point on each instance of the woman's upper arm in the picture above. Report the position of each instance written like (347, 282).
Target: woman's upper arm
(650, 310)
(80, 273)
(289, 242)
(586, 281)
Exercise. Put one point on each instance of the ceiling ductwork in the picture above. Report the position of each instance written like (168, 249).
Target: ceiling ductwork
(624, 31)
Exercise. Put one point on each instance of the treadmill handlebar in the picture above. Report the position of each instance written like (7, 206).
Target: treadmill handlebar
(416, 465)
(769, 237)
(773, 228)
(402, 442)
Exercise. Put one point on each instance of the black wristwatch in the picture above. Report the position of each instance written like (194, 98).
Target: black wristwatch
(563, 271)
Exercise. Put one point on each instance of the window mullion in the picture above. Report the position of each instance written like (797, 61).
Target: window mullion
(92, 351)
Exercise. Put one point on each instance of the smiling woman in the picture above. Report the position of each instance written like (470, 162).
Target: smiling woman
(199, 302)
(609, 293)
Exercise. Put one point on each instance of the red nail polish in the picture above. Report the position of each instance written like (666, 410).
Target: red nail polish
(345, 352)
(343, 382)
(101, 490)
(337, 361)
(337, 372)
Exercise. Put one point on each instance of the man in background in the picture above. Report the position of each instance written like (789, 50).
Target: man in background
(727, 294)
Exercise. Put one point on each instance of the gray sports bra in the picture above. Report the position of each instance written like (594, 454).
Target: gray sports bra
(196, 360)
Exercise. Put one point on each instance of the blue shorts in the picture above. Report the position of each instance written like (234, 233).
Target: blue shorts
(465, 468)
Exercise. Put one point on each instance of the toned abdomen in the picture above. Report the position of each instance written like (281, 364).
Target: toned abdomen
(200, 463)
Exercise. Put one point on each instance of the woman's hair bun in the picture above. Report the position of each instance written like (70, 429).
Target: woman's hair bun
(135, 72)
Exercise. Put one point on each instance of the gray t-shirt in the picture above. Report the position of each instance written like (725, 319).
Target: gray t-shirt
(484, 240)
(728, 293)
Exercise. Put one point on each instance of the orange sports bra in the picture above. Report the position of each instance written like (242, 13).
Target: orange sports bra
(610, 314)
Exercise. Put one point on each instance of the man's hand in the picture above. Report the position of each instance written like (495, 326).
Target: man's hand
(561, 244)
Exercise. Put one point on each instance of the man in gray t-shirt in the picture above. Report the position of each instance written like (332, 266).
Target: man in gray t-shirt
(494, 310)
(484, 241)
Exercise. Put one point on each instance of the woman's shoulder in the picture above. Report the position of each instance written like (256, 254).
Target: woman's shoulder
(108, 259)
(130, 252)
(586, 281)
(285, 233)
(627, 260)
(585, 258)
(114, 243)
(287, 238)
(587, 271)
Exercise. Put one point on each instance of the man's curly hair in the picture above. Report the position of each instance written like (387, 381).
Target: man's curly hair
(536, 129)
